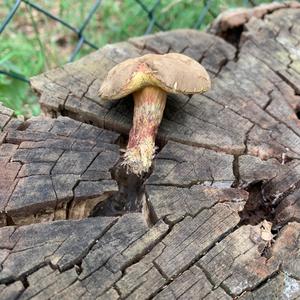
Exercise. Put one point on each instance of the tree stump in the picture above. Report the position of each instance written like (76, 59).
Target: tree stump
(218, 216)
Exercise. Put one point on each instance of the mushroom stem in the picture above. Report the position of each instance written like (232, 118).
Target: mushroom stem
(149, 105)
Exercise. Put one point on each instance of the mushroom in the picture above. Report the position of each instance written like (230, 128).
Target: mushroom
(149, 78)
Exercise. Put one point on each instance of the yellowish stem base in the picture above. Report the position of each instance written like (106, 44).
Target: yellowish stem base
(138, 159)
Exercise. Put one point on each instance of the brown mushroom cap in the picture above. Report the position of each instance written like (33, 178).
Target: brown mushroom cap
(173, 72)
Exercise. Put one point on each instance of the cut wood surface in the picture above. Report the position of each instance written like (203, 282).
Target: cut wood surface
(217, 217)
(56, 168)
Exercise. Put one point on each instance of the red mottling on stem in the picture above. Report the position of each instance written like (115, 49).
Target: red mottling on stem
(149, 105)
(149, 78)
(136, 135)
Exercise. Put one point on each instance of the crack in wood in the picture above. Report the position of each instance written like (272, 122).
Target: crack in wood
(264, 125)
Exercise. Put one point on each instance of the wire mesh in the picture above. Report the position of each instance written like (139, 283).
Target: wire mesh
(151, 11)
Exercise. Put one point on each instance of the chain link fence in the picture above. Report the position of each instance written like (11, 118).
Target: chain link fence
(141, 17)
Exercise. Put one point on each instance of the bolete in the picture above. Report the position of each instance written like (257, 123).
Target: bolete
(149, 78)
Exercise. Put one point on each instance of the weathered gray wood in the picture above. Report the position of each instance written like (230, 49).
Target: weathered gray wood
(191, 284)
(237, 263)
(61, 243)
(239, 114)
(286, 249)
(114, 251)
(6, 115)
(8, 121)
(245, 258)
(280, 287)
(183, 165)
(46, 282)
(7, 184)
(252, 169)
(284, 183)
(118, 116)
(141, 280)
(11, 291)
(231, 19)
(194, 236)
(174, 203)
(55, 169)
(102, 246)
(289, 208)
(221, 196)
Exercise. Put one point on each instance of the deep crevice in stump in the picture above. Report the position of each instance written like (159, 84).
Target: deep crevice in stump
(297, 111)
(256, 208)
(128, 199)
(249, 117)
(233, 35)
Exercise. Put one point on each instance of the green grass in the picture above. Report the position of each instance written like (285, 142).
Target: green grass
(33, 43)
(19, 55)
